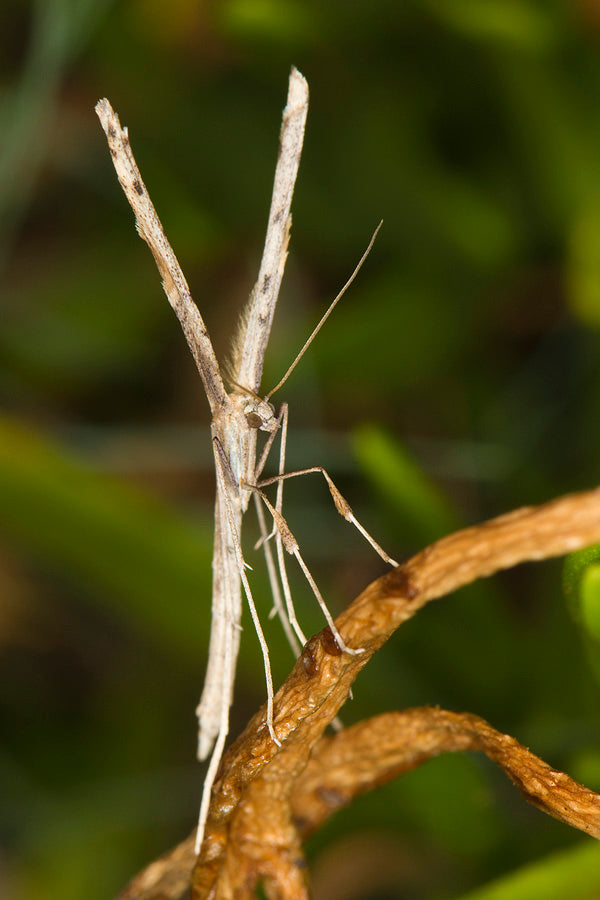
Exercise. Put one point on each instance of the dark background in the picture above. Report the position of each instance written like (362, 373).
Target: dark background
(459, 377)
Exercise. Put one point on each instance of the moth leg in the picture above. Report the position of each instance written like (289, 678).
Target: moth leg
(291, 545)
(269, 442)
(289, 619)
(281, 420)
(287, 623)
(341, 504)
(295, 636)
(287, 593)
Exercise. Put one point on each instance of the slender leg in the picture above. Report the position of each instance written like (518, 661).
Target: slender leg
(289, 618)
(282, 420)
(291, 545)
(269, 443)
(287, 593)
(341, 504)
(275, 590)
(284, 537)
(289, 603)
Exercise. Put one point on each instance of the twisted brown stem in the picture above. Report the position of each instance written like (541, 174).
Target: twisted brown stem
(267, 798)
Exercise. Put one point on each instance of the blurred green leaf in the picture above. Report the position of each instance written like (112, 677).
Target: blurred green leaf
(127, 550)
(581, 586)
(60, 30)
(448, 789)
(585, 766)
(402, 484)
(568, 875)
(583, 265)
(277, 20)
(511, 22)
(581, 594)
(70, 330)
(555, 136)
(590, 600)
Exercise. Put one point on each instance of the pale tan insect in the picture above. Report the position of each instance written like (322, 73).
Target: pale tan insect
(237, 417)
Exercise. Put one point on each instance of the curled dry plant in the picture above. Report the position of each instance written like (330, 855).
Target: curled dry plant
(267, 799)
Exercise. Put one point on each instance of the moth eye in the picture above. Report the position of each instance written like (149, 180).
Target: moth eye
(254, 420)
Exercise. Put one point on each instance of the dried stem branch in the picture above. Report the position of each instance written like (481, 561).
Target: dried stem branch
(378, 750)
(250, 833)
(374, 752)
(267, 798)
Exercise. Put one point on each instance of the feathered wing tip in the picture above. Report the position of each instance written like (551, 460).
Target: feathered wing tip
(233, 361)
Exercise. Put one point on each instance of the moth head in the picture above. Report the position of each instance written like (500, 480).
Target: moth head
(260, 414)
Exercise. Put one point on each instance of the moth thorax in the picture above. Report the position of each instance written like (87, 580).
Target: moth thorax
(260, 414)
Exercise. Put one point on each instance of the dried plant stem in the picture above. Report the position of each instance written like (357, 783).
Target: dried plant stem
(376, 751)
(266, 799)
(321, 679)
(373, 752)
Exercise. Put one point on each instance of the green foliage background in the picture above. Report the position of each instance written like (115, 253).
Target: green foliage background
(460, 377)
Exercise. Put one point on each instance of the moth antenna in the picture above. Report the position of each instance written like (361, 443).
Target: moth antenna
(326, 315)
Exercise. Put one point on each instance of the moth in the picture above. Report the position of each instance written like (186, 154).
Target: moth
(238, 416)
